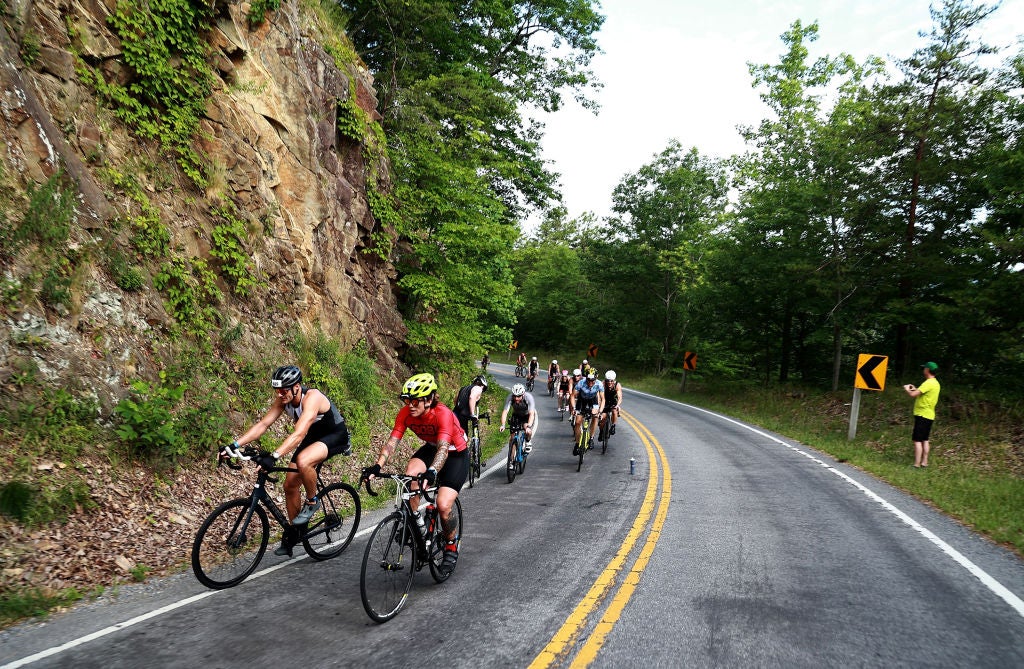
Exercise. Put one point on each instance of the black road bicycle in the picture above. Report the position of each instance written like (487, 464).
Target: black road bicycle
(605, 429)
(475, 446)
(232, 539)
(401, 545)
(517, 453)
(520, 370)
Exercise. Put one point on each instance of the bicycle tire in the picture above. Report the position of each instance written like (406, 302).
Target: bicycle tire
(605, 435)
(561, 415)
(389, 564)
(581, 447)
(438, 540)
(521, 463)
(474, 460)
(511, 469)
(331, 529)
(219, 559)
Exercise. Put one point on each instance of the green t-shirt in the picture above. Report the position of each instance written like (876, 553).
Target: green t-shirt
(924, 404)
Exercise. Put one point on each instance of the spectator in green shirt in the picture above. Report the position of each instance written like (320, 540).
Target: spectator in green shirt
(926, 396)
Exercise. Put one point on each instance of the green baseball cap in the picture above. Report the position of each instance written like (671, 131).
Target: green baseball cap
(931, 366)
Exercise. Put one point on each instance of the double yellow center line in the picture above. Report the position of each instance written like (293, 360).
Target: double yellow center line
(566, 641)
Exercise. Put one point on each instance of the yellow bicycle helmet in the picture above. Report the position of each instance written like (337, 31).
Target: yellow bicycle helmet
(419, 385)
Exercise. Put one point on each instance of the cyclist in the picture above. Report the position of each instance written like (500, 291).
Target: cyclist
(319, 433)
(585, 368)
(612, 400)
(554, 372)
(589, 404)
(524, 412)
(564, 384)
(466, 401)
(484, 361)
(531, 374)
(521, 361)
(442, 458)
(573, 382)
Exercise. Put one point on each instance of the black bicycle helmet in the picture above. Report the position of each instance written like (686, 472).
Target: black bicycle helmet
(286, 376)
(481, 380)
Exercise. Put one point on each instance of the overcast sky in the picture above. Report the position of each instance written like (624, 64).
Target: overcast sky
(678, 69)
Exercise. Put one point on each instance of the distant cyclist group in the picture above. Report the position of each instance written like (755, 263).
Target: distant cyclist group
(440, 466)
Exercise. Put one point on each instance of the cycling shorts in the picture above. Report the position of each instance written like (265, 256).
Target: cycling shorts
(456, 468)
(336, 442)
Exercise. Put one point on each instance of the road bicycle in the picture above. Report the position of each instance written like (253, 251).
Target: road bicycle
(402, 544)
(520, 370)
(551, 385)
(232, 540)
(584, 442)
(475, 446)
(529, 383)
(517, 452)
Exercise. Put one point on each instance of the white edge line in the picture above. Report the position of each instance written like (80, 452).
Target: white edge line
(979, 573)
(171, 607)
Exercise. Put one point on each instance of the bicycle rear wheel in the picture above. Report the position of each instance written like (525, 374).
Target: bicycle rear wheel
(389, 564)
(438, 540)
(229, 544)
(331, 529)
(474, 460)
(511, 469)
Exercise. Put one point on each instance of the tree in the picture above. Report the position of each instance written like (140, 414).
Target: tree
(666, 213)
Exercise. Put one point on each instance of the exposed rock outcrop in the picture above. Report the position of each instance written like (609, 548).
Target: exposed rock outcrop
(270, 134)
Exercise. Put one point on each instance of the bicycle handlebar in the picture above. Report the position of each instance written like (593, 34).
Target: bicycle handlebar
(246, 452)
(403, 480)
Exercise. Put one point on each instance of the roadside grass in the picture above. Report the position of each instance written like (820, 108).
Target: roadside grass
(976, 467)
(34, 602)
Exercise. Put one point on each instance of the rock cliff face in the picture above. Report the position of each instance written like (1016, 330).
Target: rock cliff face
(270, 135)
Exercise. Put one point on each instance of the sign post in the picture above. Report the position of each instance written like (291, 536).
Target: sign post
(870, 376)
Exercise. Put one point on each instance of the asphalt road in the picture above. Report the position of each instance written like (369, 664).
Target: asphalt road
(727, 546)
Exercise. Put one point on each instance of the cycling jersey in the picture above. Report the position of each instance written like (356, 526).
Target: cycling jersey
(586, 396)
(436, 424)
(519, 412)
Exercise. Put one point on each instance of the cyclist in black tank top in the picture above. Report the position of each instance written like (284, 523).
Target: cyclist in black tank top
(319, 433)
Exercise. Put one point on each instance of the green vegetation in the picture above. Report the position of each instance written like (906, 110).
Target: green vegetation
(33, 505)
(229, 236)
(33, 602)
(163, 43)
(453, 87)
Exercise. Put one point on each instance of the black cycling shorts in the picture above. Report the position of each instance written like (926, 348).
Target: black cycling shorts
(336, 442)
(456, 468)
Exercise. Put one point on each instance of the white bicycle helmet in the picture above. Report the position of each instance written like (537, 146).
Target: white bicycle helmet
(518, 390)
(609, 375)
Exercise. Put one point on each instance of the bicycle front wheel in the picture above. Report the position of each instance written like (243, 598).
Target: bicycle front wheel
(521, 464)
(605, 434)
(582, 448)
(389, 564)
(331, 529)
(438, 540)
(511, 468)
(229, 544)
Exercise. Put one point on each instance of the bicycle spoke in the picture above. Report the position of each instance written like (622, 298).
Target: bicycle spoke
(331, 529)
(230, 544)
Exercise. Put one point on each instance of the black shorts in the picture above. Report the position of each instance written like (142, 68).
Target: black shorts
(922, 428)
(336, 442)
(455, 471)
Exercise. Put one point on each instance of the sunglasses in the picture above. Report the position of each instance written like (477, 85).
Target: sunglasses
(415, 400)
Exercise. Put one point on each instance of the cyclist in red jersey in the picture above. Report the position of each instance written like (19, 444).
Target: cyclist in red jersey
(442, 458)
